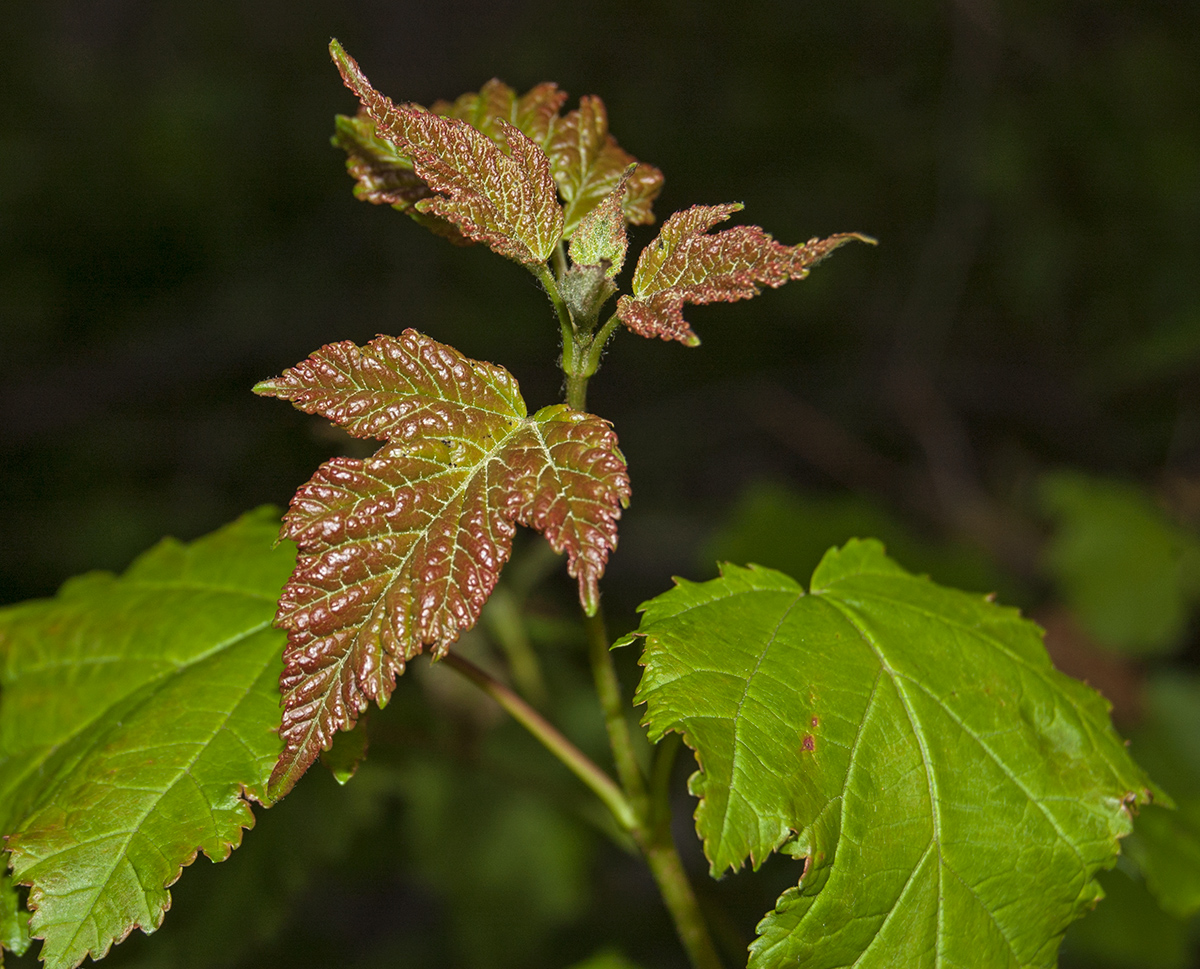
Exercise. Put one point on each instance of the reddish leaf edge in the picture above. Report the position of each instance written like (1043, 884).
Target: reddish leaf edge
(657, 310)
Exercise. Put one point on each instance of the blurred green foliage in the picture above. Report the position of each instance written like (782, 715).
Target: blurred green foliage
(1127, 570)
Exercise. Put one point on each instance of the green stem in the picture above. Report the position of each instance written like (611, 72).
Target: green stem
(576, 394)
(653, 831)
(667, 868)
(546, 278)
(608, 688)
(576, 760)
(652, 822)
(598, 343)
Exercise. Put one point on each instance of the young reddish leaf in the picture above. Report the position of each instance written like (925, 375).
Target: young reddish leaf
(687, 265)
(384, 176)
(402, 549)
(505, 199)
(600, 237)
(533, 112)
(588, 163)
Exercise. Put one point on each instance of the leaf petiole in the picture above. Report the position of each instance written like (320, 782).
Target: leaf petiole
(576, 760)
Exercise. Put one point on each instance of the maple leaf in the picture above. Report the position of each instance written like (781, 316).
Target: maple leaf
(588, 163)
(686, 264)
(139, 719)
(534, 112)
(952, 794)
(401, 550)
(504, 197)
(383, 176)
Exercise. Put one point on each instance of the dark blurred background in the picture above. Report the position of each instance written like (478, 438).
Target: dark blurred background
(174, 226)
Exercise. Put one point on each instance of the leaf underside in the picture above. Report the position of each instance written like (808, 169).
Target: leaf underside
(953, 795)
(687, 264)
(383, 176)
(401, 550)
(139, 714)
(504, 197)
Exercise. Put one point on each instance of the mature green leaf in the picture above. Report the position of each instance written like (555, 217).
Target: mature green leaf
(1127, 571)
(138, 718)
(502, 197)
(686, 264)
(534, 112)
(385, 177)
(953, 795)
(404, 548)
(588, 163)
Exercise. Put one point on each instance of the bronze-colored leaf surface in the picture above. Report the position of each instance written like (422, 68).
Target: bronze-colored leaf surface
(401, 550)
(533, 112)
(502, 197)
(383, 176)
(686, 264)
(588, 163)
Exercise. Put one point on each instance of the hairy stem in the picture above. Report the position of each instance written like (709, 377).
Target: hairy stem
(576, 760)
(592, 364)
(550, 285)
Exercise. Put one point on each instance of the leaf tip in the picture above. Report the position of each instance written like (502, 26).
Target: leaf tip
(265, 388)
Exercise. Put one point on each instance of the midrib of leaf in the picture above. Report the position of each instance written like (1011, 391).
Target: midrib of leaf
(930, 778)
(454, 495)
(919, 734)
(184, 771)
(142, 695)
(1042, 673)
(908, 883)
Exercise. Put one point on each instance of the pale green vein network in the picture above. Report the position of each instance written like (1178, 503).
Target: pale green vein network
(978, 759)
(140, 712)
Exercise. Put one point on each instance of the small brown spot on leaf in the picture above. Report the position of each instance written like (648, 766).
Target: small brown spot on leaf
(816, 721)
(809, 742)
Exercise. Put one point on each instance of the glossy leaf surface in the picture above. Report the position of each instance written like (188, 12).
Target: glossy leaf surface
(953, 795)
(534, 112)
(504, 197)
(588, 164)
(687, 264)
(402, 550)
(138, 716)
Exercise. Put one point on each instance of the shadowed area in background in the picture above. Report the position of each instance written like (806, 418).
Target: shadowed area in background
(175, 226)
